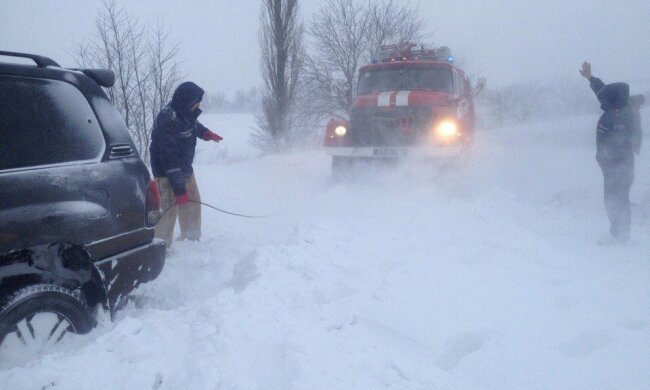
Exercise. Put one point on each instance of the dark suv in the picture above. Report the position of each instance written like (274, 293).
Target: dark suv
(77, 204)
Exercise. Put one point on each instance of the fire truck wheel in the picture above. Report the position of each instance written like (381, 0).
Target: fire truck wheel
(340, 165)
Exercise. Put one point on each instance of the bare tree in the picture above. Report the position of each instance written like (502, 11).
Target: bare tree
(341, 31)
(145, 68)
(391, 22)
(282, 48)
(113, 50)
(140, 117)
(163, 65)
(347, 34)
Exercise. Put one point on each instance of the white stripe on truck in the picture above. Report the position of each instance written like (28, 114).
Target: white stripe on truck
(383, 100)
(402, 98)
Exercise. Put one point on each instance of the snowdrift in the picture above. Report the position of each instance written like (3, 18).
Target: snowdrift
(480, 275)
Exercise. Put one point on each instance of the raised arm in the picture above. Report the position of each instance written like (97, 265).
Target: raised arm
(595, 83)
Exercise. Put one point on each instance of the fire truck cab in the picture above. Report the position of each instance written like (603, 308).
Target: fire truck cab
(412, 102)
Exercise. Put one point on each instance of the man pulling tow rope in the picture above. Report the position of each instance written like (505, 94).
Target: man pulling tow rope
(173, 144)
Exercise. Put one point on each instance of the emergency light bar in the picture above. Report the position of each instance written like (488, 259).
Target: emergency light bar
(408, 51)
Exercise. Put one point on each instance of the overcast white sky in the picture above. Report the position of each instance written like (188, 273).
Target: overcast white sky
(503, 40)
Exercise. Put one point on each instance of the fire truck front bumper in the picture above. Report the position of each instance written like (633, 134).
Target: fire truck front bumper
(396, 152)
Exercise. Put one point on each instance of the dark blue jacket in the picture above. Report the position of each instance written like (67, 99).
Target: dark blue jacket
(618, 127)
(173, 138)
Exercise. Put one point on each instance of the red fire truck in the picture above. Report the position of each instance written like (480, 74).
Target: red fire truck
(412, 102)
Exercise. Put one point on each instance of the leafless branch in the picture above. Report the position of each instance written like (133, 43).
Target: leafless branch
(347, 34)
(145, 67)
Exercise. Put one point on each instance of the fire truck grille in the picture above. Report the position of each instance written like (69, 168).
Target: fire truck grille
(391, 126)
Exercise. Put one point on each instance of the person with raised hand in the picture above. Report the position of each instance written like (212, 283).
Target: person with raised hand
(617, 140)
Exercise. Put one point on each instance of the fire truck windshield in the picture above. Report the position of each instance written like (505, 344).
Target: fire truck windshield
(406, 78)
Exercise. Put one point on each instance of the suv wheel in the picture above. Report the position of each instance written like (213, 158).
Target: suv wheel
(35, 318)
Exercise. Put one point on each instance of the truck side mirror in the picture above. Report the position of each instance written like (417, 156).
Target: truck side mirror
(480, 85)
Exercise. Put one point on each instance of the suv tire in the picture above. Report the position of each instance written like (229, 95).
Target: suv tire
(46, 313)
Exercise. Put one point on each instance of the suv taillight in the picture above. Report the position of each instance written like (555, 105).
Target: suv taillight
(152, 204)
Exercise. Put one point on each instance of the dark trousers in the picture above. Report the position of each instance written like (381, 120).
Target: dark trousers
(618, 177)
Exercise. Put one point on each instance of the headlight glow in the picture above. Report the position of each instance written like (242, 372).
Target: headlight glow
(447, 129)
(340, 130)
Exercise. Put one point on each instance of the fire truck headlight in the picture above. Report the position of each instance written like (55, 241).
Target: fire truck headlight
(340, 130)
(447, 129)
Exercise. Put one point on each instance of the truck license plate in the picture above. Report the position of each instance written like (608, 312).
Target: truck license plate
(388, 152)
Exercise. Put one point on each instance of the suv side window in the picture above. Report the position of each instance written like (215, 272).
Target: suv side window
(45, 122)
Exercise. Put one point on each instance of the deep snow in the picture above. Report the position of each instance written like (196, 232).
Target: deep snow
(483, 275)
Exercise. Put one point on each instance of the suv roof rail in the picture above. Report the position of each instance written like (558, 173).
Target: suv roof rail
(39, 60)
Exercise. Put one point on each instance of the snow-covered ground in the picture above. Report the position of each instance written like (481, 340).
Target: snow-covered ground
(485, 275)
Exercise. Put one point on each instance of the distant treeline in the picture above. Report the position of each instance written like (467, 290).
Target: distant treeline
(533, 100)
(537, 100)
(239, 101)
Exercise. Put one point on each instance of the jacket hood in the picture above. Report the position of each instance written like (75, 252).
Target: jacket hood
(185, 96)
(614, 96)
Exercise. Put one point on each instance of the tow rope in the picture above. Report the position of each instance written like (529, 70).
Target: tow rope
(217, 209)
(230, 212)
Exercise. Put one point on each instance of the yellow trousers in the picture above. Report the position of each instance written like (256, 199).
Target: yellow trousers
(189, 214)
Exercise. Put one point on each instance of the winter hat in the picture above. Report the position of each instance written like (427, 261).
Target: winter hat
(185, 96)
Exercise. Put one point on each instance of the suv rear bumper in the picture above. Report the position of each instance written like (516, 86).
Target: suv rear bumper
(124, 272)
(396, 152)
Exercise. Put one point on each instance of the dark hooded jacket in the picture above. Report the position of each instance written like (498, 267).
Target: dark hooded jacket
(617, 125)
(173, 138)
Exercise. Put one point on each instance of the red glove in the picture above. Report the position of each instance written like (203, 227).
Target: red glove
(182, 199)
(210, 136)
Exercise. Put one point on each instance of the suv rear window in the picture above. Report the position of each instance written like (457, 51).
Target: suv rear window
(45, 122)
